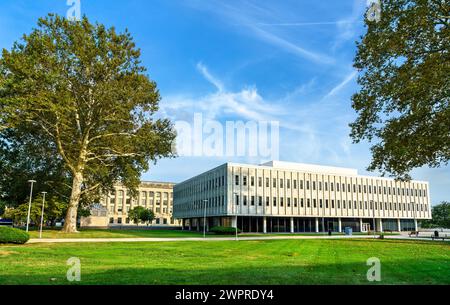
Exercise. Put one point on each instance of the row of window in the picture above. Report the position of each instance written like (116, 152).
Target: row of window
(201, 186)
(156, 210)
(331, 186)
(144, 202)
(331, 203)
(157, 221)
(212, 202)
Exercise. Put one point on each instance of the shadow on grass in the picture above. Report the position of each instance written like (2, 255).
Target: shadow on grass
(398, 272)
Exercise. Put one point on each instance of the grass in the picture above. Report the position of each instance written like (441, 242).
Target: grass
(229, 262)
(115, 233)
(136, 233)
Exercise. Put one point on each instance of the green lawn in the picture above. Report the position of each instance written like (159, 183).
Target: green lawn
(229, 262)
(115, 233)
(132, 233)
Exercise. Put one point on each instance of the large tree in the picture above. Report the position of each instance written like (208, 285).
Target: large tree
(403, 101)
(80, 89)
(441, 217)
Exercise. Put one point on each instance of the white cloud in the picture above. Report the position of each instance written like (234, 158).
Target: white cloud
(348, 78)
(218, 84)
(248, 15)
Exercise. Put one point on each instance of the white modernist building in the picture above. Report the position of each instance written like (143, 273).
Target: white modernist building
(293, 197)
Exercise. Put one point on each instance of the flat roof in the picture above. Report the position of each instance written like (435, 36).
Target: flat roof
(312, 168)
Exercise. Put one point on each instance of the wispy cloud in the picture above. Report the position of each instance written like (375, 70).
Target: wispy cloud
(342, 84)
(291, 47)
(204, 71)
(310, 129)
(248, 16)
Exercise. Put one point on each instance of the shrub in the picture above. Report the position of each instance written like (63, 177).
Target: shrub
(224, 230)
(13, 236)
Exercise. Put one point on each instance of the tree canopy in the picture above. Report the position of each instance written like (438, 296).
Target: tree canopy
(441, 216)
(81, 94)
(141, 214)
(53, 210)
(403, 101)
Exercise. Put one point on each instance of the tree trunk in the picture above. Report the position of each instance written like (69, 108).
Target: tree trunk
(70, 223)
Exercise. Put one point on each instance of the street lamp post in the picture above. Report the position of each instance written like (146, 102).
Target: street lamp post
(235, 214)
(29, 204)
(415, 216)
(204, 219)
(42, 213)
(373, 216)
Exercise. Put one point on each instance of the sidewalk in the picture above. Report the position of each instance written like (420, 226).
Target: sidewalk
(122, 240)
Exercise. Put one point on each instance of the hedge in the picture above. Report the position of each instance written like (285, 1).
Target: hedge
(224, 230)
(13, 236)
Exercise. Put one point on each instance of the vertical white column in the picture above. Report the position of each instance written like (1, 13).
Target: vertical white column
(264, 224)
(360, 224)
(292, 224)
(190, 224)
(416, 228)
(398, 225)
(380, 224)
(339, 225)
(317, 225)
(233, 222)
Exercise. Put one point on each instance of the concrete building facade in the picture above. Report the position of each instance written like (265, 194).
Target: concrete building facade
(156, 196)
(293, 197)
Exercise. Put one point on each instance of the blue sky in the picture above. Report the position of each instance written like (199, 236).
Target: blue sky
(289, 61)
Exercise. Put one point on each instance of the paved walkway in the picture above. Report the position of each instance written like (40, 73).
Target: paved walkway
(121, 240)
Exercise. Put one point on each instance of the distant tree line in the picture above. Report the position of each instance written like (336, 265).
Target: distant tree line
(441, 217)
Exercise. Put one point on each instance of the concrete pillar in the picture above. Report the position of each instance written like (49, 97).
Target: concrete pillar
(190, 224)
(360, 224)
(339, 225)
(317, 225)
(399, 225)
(264, 224)
(380, 224)
(182, 224)
(234, 222)
(292, 224)
(416, 227)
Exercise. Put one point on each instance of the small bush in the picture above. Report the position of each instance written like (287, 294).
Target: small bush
(13, 236)
(224, 230)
